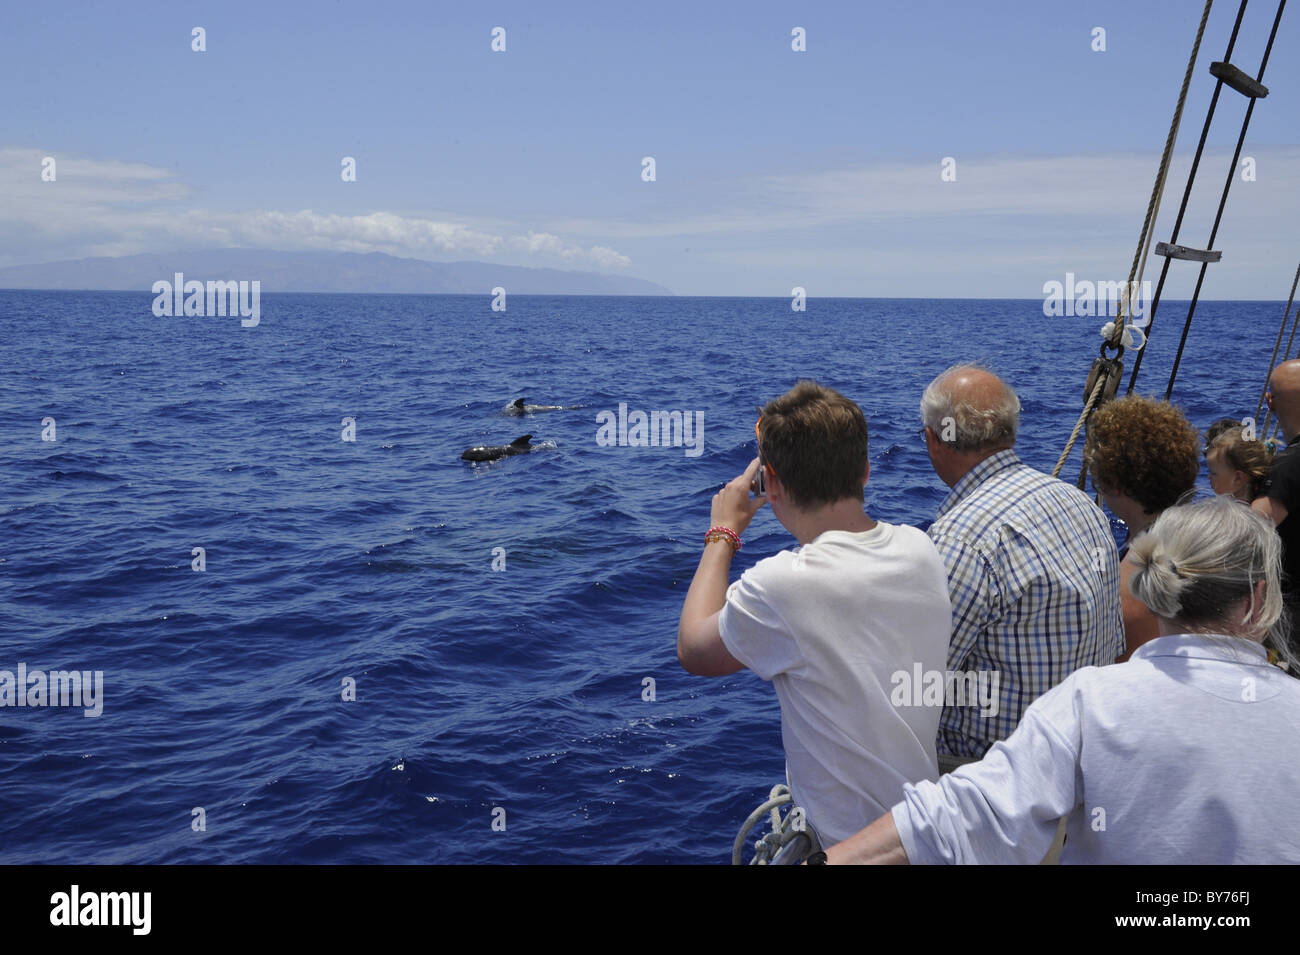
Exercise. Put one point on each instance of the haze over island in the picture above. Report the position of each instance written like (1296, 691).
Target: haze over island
(307, 271)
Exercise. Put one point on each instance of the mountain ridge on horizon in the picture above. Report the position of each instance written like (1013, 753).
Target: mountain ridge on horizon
(315, 271)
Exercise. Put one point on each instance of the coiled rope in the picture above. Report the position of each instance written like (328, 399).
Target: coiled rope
(785, 831)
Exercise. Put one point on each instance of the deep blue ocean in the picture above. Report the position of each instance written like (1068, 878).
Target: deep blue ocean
(482, 694)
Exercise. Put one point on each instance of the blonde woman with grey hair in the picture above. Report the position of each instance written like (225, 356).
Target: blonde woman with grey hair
(1179, 756)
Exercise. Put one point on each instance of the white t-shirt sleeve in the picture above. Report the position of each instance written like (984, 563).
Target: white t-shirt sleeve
(751, 625)
(1004, 808)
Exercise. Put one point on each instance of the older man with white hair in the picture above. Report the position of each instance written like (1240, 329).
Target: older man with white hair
(1033, 571)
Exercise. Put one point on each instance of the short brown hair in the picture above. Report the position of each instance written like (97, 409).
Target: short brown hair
(1145, 449)
(815, 439)
(1221, 426)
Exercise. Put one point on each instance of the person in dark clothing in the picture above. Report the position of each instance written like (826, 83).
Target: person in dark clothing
(1280, 491)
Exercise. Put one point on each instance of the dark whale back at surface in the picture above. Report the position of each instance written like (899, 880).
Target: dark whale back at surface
(520, 407)
(519, 445)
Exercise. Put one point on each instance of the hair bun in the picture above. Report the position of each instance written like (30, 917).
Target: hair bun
(1157, 582)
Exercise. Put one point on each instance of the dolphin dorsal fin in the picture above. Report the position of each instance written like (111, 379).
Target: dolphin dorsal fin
(521, 442)
(517, 403)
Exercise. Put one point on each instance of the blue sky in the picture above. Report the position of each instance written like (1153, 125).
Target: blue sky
(774, 168)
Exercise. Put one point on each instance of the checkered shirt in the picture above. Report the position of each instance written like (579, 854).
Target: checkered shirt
(1033, 575)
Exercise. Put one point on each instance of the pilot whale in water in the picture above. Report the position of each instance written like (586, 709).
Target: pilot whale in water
(495, 451)
(518, 407)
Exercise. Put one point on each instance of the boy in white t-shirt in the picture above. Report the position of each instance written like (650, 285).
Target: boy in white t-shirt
(843, 626)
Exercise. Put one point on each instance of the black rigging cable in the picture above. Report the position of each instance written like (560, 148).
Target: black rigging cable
(1223, 199)
(1187, 194)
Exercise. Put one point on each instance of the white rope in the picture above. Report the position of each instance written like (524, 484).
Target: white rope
(779, 795)
(1127, 336)
(784, 830)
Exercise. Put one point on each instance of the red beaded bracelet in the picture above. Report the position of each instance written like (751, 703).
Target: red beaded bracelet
(720, 533)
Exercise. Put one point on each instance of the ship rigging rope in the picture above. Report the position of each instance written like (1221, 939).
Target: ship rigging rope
(1187, 194)
(1272, 362)
(1138, 267)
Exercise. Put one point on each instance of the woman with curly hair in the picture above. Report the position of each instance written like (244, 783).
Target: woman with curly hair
(1143, 455)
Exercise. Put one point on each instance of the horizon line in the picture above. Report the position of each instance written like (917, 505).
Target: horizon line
(782, 298)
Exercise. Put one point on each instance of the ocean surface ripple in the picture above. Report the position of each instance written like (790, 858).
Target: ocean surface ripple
(482, 694)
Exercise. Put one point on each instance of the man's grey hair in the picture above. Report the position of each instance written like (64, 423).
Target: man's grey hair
(963, 426)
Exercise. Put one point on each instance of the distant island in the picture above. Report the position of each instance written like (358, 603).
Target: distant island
(318, 272)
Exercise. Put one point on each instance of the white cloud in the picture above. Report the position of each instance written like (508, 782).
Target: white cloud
(545, 243)
(608, 258)
(1005, 225)
(113, 208)
(1114, 188)
(376, 232)
(536, 242)
(1003, 228)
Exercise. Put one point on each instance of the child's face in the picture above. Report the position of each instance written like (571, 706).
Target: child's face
(1223, 478)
